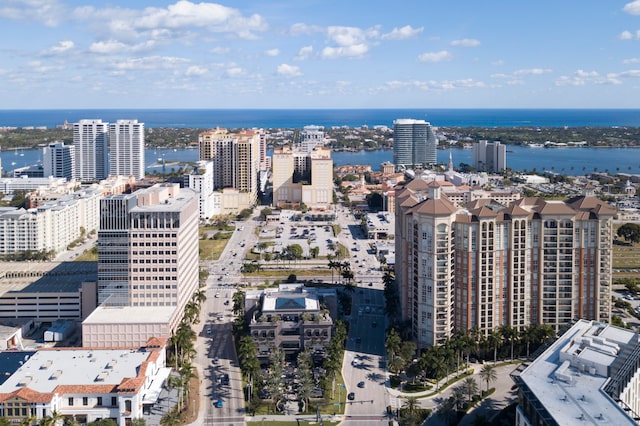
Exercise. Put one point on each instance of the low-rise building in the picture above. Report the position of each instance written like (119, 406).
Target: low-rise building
(292, 318)
(590, 375)
(84, 384)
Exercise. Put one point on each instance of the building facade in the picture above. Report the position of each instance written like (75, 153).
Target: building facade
(91, 150)
(147, 261)
(300, 177)
(414, 143)
(488, 264)
(58, 160)
(489, 156)
(126, 148)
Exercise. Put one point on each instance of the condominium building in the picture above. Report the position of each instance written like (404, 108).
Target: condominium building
(126, 148)
(236, 162)
(300, 177)
(414, 143)
(589, 375)
(201, 181)
(83, 384)
(310, 137)
(147, 265)
(51, 226)
(489, 156)
(489, 264)
(91, 150)
(58, 160)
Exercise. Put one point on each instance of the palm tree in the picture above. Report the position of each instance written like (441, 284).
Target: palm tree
(200, 296)
(411, 404)
(494, 340)
(509, 334)
(470, 387)
(171, 419)
(488, 374)
(458, 397)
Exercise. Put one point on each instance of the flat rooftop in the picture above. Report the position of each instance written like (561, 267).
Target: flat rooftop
(130, 315)
(46, 277)
(582, 398)
(44, 370)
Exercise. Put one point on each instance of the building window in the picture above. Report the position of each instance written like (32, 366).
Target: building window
(127, 405)
(114, 401)
(70, 402)
(85, 401)
(99, 402)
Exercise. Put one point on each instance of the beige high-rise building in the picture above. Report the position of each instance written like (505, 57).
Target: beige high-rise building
(488, 264)
(147, 265)
(236, 165)
(301, 177)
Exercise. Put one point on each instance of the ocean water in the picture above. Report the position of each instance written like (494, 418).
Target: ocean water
(297, 118)
(572, 161)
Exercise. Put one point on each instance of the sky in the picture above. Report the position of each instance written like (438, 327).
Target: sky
(74, 54)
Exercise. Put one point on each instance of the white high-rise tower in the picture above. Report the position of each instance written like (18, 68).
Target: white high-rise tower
(90, 142)
(126, 148)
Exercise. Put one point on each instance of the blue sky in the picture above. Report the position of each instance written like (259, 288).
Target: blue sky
(319, 54)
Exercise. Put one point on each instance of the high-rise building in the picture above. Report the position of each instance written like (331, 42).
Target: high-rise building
(147, 265)
(310, 137)
(236, 164)
(589, 375)
(532, 261)
(301, 177)
(489, 156)
(126, 148)
(91, 149)
(58, 160)
(414, 143)
(201, 181)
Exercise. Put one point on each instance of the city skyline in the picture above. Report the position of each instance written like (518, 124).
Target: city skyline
(183, 54)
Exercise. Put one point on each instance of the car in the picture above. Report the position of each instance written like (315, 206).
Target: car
(351, 396)
(217, 295)
(216, 360)
(370, 284)
(355, 363)
(220, 317)
(225, 379)
(226, 302)
(361, 384)
(218, 403)
(209, 330)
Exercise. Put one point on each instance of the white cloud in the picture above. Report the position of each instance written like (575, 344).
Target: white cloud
(582, 78)
(234, 72)
(115, 46)
(354, 51)
(432, 85)
(49, 12)
(196, 70)
(466, 42)
(300, 29)
(440, 56)
(532, 71)
(625, 35)
(632, 8)
(220, 50)
(149, 63)
(402, 33)
(288, 70)
(272, 52)
(39, 67)
(349, 36)
(304, 53)
(61, 47)
(631, 61)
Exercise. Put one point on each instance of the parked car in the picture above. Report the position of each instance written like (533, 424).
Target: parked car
(218, 403)
(361, 384)
(351, 396)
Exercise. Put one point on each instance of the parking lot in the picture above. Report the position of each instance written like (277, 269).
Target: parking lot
(307, 234)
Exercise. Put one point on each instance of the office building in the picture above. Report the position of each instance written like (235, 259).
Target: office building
(414, 143)
(147, 265)
(236, 165)
(58, 160)
(589, 375)
(126, 148)
(489, 157)
(83, 384)
(488, 264)
(291, 318)
(310, 137)
(301, 177)
(91, 150)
